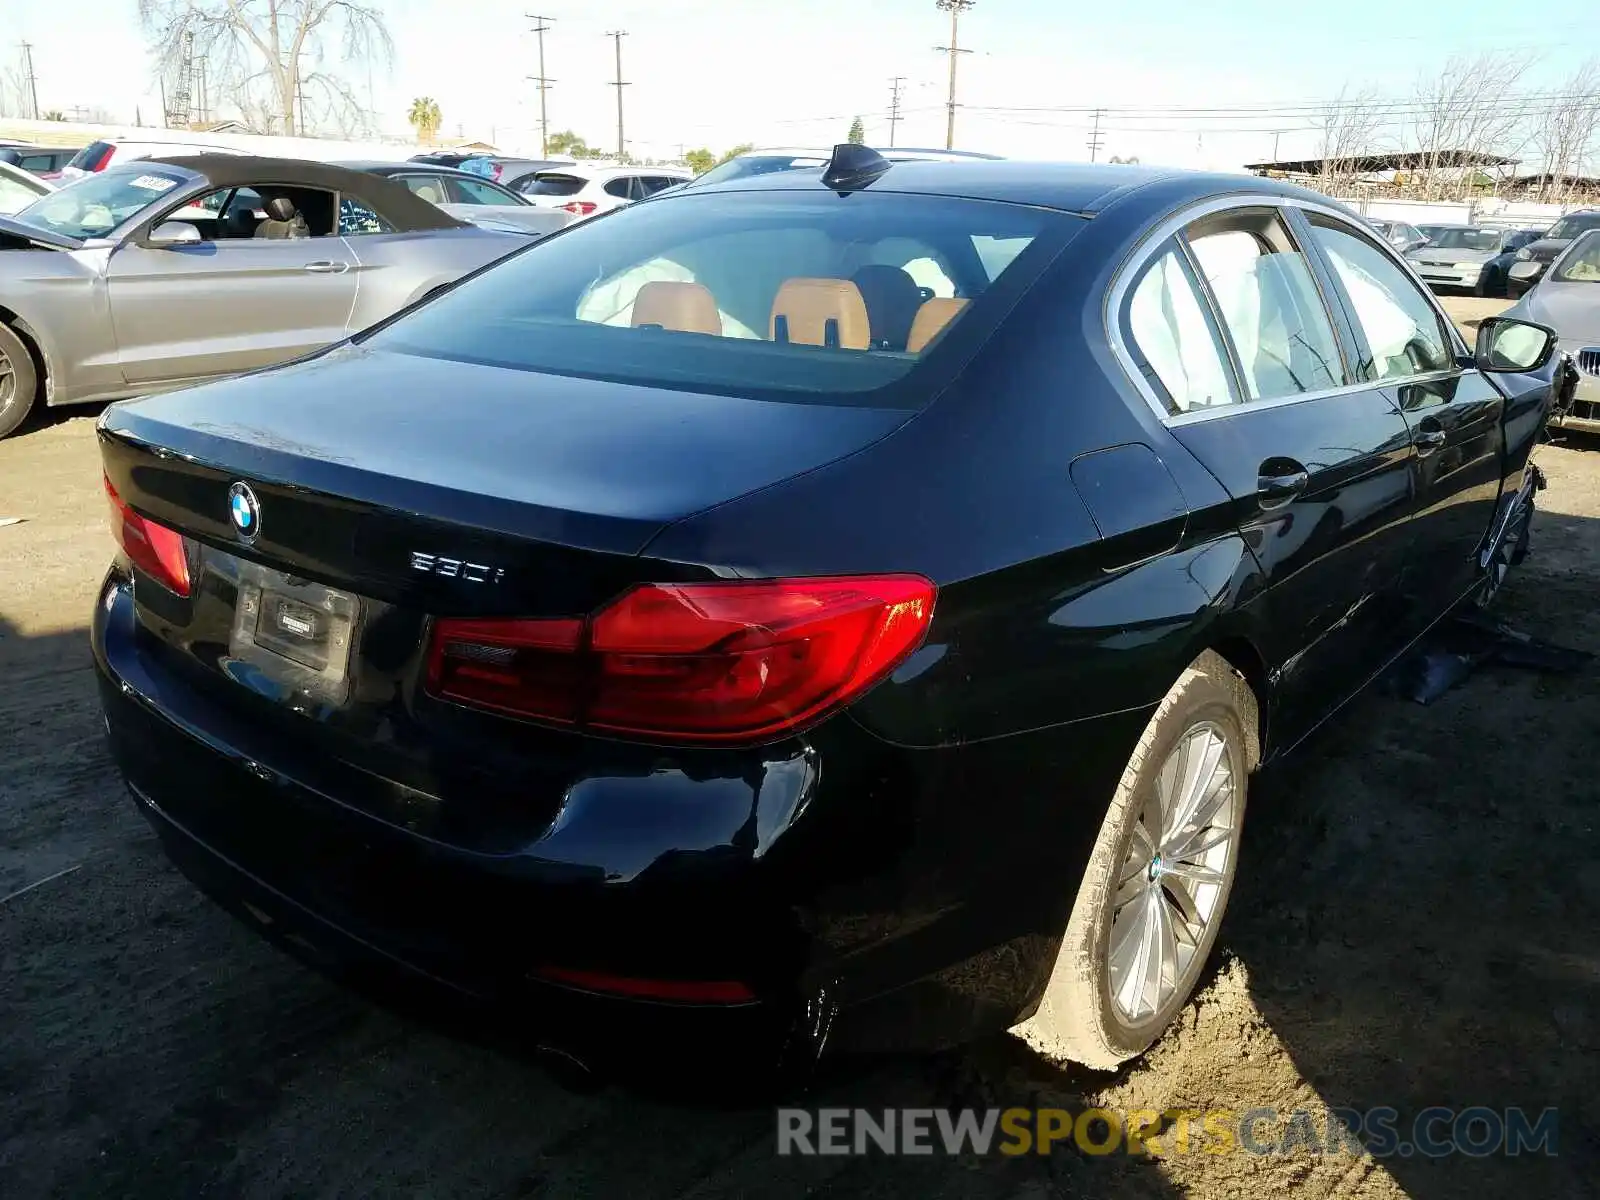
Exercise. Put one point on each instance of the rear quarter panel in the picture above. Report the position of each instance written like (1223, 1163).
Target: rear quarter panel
(397, 269)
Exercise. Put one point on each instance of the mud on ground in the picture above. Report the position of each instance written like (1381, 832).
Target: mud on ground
(1414, 925)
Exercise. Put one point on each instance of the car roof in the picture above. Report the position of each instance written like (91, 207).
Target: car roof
(1072, 187)
(377, 167)
(610, 170)
(395, 202)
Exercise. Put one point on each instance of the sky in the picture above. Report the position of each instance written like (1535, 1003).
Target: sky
(716, 73)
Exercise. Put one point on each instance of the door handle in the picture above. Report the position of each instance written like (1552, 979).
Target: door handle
(1427, 439)
(1280, 480)
(327, 267)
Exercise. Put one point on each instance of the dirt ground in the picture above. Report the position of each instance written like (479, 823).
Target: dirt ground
(1414, 925)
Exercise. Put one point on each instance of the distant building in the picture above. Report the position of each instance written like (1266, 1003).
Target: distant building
(1459, 172)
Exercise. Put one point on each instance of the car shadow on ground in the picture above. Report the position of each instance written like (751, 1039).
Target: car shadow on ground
(1413, 927)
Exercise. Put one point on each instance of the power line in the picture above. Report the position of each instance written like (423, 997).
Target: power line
(955, 8)
(894, 104)
(617, 35)
(540, 25)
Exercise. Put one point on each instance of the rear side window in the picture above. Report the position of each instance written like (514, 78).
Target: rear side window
(1402, 329)
(1174, 338)
(552, 185)
(1265, 294)
(622, 188)
(474, 191)
(788, 295)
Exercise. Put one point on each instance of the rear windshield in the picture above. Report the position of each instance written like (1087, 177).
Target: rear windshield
(787, 295)
(89, 157)
(747, 165)
(551, 185)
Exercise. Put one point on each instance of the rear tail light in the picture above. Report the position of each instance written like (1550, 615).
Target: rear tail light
(703, 663)
(154, 549)
(495, 171)
(101, 160)
(581, 207)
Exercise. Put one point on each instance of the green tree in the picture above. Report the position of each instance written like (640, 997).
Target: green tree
(55, 114)
(567, 142)
(858, 133)
(700, 161)
(425, 118)
(741, 148)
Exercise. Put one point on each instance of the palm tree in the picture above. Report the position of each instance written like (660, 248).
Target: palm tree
(425, 117)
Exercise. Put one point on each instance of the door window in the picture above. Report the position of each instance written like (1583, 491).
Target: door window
(1268, 301)
(1168, 326)
(355, 218)
(622, 187)
(426, 187)
(1403, 331)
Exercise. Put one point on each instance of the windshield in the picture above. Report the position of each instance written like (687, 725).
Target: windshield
(781, 295)
(1571, 227)
(1581, 264)
(747, 165)
(1443, 237)
(94, 205)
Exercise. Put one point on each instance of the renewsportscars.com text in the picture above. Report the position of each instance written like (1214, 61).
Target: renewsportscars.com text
(1477, 1132)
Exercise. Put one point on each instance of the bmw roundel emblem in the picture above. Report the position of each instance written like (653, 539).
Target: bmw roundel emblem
(245, 511)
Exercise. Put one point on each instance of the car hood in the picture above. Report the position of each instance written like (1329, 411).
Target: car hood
(1444, 255)
(1546, 249)
(1571, 309)
(39, 237)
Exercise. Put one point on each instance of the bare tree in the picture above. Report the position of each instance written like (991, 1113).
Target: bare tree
(1347, 130)
(1568, 132)
(273, 55)
(1463, 111)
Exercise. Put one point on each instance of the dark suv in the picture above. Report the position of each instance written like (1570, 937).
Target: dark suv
(1535, 258)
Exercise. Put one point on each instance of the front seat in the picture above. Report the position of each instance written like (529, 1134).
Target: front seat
(893, 299)
(238, 222)
(283, 220)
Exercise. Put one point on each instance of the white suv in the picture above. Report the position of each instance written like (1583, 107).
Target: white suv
(584, 190)
(97, 156)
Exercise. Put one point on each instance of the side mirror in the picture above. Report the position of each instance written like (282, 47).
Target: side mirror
(172, 233)
(1507, 344)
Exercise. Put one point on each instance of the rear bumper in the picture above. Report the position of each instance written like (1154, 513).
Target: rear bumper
(872, 924)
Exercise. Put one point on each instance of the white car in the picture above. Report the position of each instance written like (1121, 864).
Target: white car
(19, 188)
(584, 190)
(97, 156)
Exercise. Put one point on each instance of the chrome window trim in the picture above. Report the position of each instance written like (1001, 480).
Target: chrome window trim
(1144, 251)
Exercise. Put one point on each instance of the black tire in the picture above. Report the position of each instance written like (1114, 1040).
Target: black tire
(1077, 1018)
(19, 381)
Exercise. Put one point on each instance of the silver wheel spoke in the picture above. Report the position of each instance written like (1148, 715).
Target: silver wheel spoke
(1193, 873)
(1183, 898)
(1199, 842)
(1200, 783)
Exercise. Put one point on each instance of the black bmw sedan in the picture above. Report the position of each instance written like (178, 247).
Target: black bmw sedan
(842, 611)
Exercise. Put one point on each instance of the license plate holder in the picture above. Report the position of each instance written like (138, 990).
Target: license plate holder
(295, 631)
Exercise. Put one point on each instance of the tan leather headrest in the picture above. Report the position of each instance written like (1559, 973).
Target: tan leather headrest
(821, 312)
(932, 317)
(685, 307)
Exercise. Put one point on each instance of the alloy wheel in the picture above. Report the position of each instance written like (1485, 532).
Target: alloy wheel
(1173, 880)
(8, 380)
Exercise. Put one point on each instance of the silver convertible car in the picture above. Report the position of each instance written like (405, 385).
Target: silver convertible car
(168, 271)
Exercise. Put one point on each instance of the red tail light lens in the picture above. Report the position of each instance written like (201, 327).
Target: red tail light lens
(154, 549)
(581, 207)
(704, 663)
(681, 991)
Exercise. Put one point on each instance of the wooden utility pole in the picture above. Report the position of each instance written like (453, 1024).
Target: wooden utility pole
(1095, 140)
(617, 35)
(540, 24)
(894, 104)
(955, 8)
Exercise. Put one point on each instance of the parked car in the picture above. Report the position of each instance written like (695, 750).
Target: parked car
(443, 158)
(469, 197)
(1568, 301)
(1535, 257)
(166, 271)
(43, 161)
(690, 623)
(20, 188)
(584, 190)
(814, 158)
(1460, 256)
(97, 156)
(510, 172)
(1401, 236)
(1496, 279)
